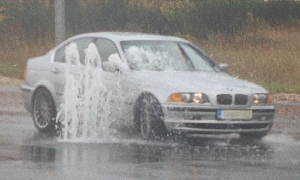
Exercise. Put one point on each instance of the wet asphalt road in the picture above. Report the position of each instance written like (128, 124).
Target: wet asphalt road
(27, 154)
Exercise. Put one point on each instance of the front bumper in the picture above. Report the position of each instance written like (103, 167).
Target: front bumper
(198, 120)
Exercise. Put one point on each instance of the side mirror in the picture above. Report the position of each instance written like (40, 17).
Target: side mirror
(224, 67)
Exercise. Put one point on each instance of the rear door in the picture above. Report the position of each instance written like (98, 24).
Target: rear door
(62, 66)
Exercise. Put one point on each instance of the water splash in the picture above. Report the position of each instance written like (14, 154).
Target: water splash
(85, 111)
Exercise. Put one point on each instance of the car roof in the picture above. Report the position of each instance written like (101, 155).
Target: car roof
(127, 36)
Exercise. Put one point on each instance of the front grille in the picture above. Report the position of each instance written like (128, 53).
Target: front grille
(227, 99)
(240, 99)
(224, 99)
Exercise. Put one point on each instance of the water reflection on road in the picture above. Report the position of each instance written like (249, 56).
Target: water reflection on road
(184, 159)
(143, 151)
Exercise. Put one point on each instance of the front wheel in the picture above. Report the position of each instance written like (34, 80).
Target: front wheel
(150, 118)
(44, 111)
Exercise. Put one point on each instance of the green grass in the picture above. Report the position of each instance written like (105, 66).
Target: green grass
(12, 69)
(269, 57)
(282, 87)
(13, 60)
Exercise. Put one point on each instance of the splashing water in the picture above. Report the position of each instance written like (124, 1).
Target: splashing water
(85, 111)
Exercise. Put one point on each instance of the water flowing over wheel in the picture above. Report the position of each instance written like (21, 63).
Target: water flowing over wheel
(43, 111)
(150, 118)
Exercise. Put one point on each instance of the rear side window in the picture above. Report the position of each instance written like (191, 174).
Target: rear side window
(81, 44)
(60, 55)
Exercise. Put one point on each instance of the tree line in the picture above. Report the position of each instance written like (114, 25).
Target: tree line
(33, 21)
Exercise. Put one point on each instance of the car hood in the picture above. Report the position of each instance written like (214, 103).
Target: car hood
(162, 83)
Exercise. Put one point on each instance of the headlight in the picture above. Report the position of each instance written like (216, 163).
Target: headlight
(188, 97)
(262, 98)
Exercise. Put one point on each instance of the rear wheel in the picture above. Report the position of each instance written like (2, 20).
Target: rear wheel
(150, 118)
(44, 111)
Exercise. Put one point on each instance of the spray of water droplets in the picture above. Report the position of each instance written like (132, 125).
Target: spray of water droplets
(85, 111)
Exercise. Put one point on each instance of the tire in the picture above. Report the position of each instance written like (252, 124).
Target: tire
(44, 111)
(253, 136)
(149, 116)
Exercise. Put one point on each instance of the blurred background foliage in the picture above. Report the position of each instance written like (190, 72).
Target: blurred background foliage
(33, 20)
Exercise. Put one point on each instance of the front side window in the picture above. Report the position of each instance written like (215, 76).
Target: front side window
(199, 60)
(106, 48)
(163, 55)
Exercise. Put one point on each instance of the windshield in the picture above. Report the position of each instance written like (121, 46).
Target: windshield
(162, 55)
